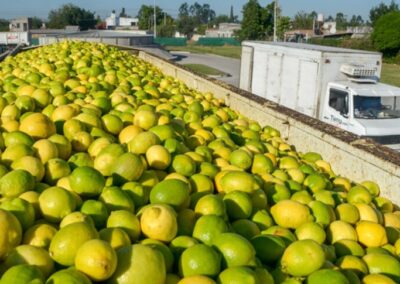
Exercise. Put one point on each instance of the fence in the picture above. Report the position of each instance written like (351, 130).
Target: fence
(170, 41)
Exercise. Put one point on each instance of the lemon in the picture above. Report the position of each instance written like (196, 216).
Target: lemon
(15, 183)
(236, 180)
(268, 248)
(235, 250)
(116, 237)
(340, 230)
(10, 224)
(132, 260)
(96, 210)
(75, 217)
(126, 221)
(67, 240)
(56, 203)
(237, 275)
(69, 275)
(371, 234)
(377, 278)
(238, 205)
(38, 126)
(301, 258)
(86, 181)
(197, 279)
(210, 204)
(158, 157)
(159, 222)
(28, 254)
(311, 231)
(23, 273)
(97, 259)
(22, 209)
(353, 263)
(39, 235)
(172, 192)
(127, 167)
(290, 214)
(327, 276)
(383, 264)
(200, 259)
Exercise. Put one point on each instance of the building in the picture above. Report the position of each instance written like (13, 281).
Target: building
(21, 24)
(116, 22)
(224, 30)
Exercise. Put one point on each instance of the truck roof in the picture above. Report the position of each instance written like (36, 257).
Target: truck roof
(306, 46)
(371, 90)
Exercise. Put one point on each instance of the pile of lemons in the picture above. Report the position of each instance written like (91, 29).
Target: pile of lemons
(112, 172)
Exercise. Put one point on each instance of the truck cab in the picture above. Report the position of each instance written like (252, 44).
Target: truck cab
(368, 109)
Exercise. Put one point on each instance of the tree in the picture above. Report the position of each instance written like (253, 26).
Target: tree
(341, 21)
(376, 12)
(303, 20)
(146, 17)
(123, 13)
(356, 21)
(36, 23)
(283, 25)
(4, 25)
(252, 27)
(185, 24)
(267, 18)
(220, 19)
(70, 14)
(231, 16)
(386, 34)
(167, 28)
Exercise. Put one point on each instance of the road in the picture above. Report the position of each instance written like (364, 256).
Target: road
(227, 65)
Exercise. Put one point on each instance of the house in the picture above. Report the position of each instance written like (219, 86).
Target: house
(23, 24)
(116, 22)
(224, 30)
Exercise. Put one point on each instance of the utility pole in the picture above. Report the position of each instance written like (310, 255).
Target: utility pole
(155, 20)
(275, 19)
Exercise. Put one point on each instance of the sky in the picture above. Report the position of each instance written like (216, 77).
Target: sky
(17, 8)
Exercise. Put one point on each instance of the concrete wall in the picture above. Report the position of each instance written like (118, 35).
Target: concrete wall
(124, 41)
(349, 155)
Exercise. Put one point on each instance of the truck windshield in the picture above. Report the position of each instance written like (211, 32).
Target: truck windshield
(376, 107)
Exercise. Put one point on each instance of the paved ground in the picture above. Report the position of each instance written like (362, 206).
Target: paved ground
(227, 65)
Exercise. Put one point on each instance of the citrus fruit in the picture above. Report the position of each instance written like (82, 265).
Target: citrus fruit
(164, 250)
(327, 276)
(235, 250)
(290, 214)
(311, 231)
(340, 230)
(245, 228)
(69, 275)
(269, 248)
(238, 205)
(377, 279)
(15, 183)
(132, 260)
(237, 275)
(371, 234)
(97, 259)
(9, 223)
(348, 247)
(116, 237)
(347, 212)
(116, 199)
(39, 235)
(28, 254)
(86, 181)
(75, 217)
(200, 259)
(208, 227)
(210, 204)
(23, 273)
(197, 279)
(126, 221)
(38, 126)
(67, 240)
(301, 258)
(236, 180)
(127, 167)
(22, 209)
(96, 210)
(159, 222)
(173, 192)
(158, 157)
(383, 264)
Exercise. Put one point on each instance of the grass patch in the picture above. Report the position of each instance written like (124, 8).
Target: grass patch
(391, 74)
(204, 69)
(226, 50)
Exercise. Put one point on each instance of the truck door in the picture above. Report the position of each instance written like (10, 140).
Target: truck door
(337, 110)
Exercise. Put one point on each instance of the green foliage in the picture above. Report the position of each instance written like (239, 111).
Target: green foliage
(194, 17)
(376, 12)
(386, 34)
(36, 23)
(70, 14)
(123, 13)
(303, 20)
(4, 25)
(146, 17)
(252, 23)
(283, 25)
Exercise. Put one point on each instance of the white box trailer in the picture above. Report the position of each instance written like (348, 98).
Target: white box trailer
(14, 38)
(327, 83)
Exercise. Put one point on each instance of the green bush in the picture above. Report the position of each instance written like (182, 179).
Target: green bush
(386, 34)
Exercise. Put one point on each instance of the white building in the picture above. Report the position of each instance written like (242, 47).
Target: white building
(114, 22)
(226, 30)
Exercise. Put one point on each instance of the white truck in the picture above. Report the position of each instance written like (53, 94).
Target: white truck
(336, 85)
